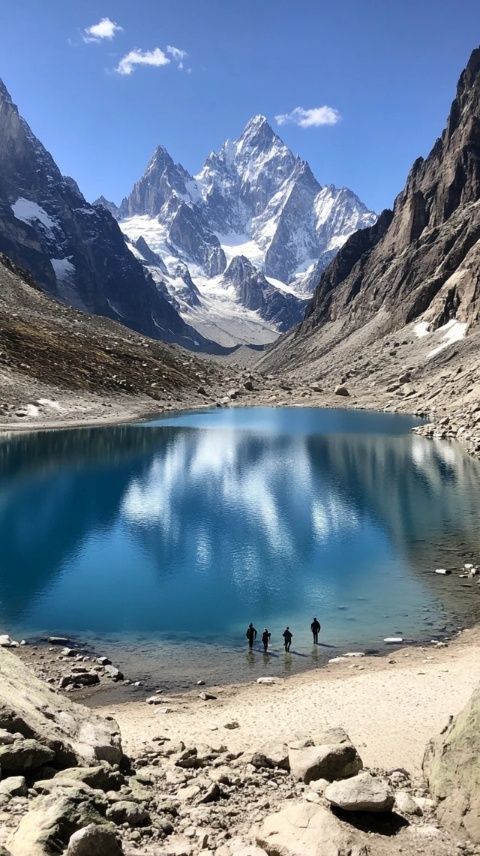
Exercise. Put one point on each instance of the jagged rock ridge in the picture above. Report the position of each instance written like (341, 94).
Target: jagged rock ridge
(420, 262)
(75, 251)
(255, 199)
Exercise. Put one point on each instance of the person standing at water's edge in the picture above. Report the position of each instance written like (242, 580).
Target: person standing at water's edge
(287, 636)
(315, 628)
(251, 635)
(265, 639)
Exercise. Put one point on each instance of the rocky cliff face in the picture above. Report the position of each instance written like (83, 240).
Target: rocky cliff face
(453, 773)
(255, 292)
(419, 263)
(75, 251)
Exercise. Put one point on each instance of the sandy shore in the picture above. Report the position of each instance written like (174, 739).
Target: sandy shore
(390, 706)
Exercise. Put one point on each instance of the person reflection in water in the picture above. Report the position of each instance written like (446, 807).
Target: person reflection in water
(266, 639)
(251, 635)
(315, 628)
(287, 636)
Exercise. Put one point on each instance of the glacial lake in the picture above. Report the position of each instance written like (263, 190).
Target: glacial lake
(158, 542)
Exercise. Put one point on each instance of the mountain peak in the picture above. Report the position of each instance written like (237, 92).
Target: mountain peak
(160, 159)
(4, 93)
(257, 132)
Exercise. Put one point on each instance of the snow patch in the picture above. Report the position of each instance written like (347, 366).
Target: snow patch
(28, 211)
(452, 332)
(421, 329)
(64, 269)
(49, 402)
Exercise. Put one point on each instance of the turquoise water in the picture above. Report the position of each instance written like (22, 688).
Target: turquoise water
(159, 542)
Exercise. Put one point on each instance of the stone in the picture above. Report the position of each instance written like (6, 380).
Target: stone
(68, 652)
(113, 673)
(332, 757)
(266, 680)
(14, 786)
(24, 754)
(212, 795)
(104, 661)
(405, 804)
(342, 390)
(363, 792)
(102, 777)
(271, 755)
(6, 738)
(188, 793)
(128, 811)
(452, 770)
(308, 829)
(393, 640)
(75, 734)
(58, 640)
(94, 840)
(207, 696)
(7, 642)
(51, 821)
(442, 571)
(232, 725)
(81, 679)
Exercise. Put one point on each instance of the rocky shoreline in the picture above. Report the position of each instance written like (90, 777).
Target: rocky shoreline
(67, 787)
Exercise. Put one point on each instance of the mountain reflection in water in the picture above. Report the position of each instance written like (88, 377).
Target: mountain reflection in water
(172, 528)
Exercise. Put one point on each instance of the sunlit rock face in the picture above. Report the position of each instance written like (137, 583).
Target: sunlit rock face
(417, 263)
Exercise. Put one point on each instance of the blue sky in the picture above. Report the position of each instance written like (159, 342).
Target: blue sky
(387, 68)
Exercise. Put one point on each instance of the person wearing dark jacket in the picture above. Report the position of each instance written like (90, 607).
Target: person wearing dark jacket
(251, 635)
(287, 637)
(266, 639)
(315, 628)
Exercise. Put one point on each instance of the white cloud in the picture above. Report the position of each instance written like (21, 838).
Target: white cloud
(177, 54)
(127, 64)
(105, 29)
(156, 57)
(312, 118)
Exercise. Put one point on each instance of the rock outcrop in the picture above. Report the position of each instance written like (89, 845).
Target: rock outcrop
(414, 273)
(48, 729)
(452, 769)
(331, 755)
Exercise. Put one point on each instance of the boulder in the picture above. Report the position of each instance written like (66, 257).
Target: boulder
(113, 673)
(81, 679)
(23, 755)
(342, 390)
(94, 840)
(332, 757)
(405, 804)
(128, 811)
(307, 828)
(102, 777)
(47, 828)
(271, 755)
(7, 642)
(363, 792)
(76, 734)
(14, 786)
(452, 769)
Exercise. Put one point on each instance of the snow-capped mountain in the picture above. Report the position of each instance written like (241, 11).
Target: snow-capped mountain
(254, 200)
(75, 251)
